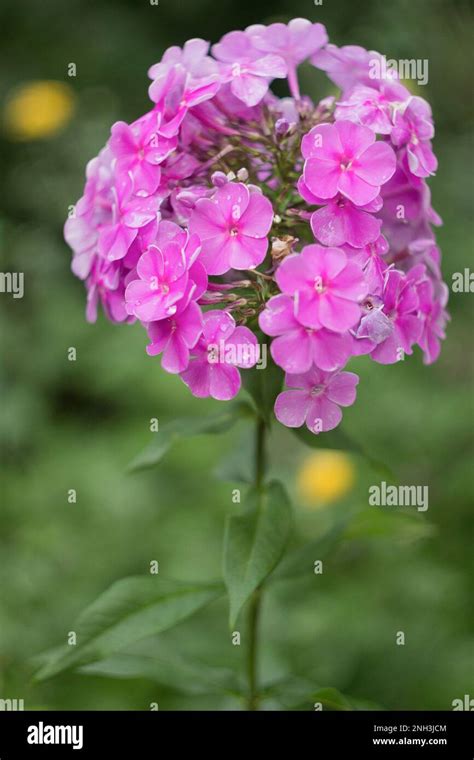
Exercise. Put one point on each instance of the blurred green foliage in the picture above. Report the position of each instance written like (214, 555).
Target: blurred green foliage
(77, 425)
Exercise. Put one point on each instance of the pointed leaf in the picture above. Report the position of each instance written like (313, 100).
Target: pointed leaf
(254, 543)
(376, 522)
(130, 610)
(300, 561)
(178, 673)
(173, 431)
(239, 464)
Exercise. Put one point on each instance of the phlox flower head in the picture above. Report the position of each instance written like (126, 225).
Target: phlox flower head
(227, 219)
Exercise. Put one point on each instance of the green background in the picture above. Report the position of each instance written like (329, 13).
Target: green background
(78, 424)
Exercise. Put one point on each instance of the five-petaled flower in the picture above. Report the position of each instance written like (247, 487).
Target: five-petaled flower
(314, 398)
(345, 158)
(233, 226)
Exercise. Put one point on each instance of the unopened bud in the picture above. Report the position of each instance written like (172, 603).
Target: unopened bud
(187, 198)
(281, 127)
(242, 175)
(219, 179)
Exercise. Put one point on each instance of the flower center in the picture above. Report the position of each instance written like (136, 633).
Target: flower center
(319, 285)
(346, 164)
(317, 390)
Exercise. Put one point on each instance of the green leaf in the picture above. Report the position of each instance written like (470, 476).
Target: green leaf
(264, 385)
(300, 561)
(331, 699)
(296, 693)
(130, 610)
(175, 672)
(239, 464)
(254, 543)
(339, 439)
(375, 522)
(180, 428)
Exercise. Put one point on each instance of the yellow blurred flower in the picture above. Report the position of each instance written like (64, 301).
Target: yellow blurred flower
(324, 477)
(38, 109)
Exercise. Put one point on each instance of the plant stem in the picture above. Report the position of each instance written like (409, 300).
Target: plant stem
(254, 614)
(260, 454)
(255, 602)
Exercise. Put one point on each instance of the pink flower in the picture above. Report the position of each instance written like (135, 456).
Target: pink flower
(175, 336)
(315, 399)
(176, 92)
(105, 285)
(245, 68)
(345, 158)
(129, 215)
(339, 221)
(400, 306)
(414, 129)
(296, 348)
(326, 285)
(375, 326)
(165, 273)
(434, 315)
(221, 348)
(407, 212)
(294, 42)
(352, 65)
(233, 226)
(139, 149)
(369, 258)
(81, 235)
(373, 107)
(193, 57)
(191, 191)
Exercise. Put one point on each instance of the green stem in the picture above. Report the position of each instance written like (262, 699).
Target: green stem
(256, 600)
(260, 454)
(252, 662)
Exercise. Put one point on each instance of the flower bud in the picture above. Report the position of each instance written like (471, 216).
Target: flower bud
(219, 179)
(187, 198)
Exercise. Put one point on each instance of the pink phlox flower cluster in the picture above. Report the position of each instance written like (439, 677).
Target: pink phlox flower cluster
(227, 217)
